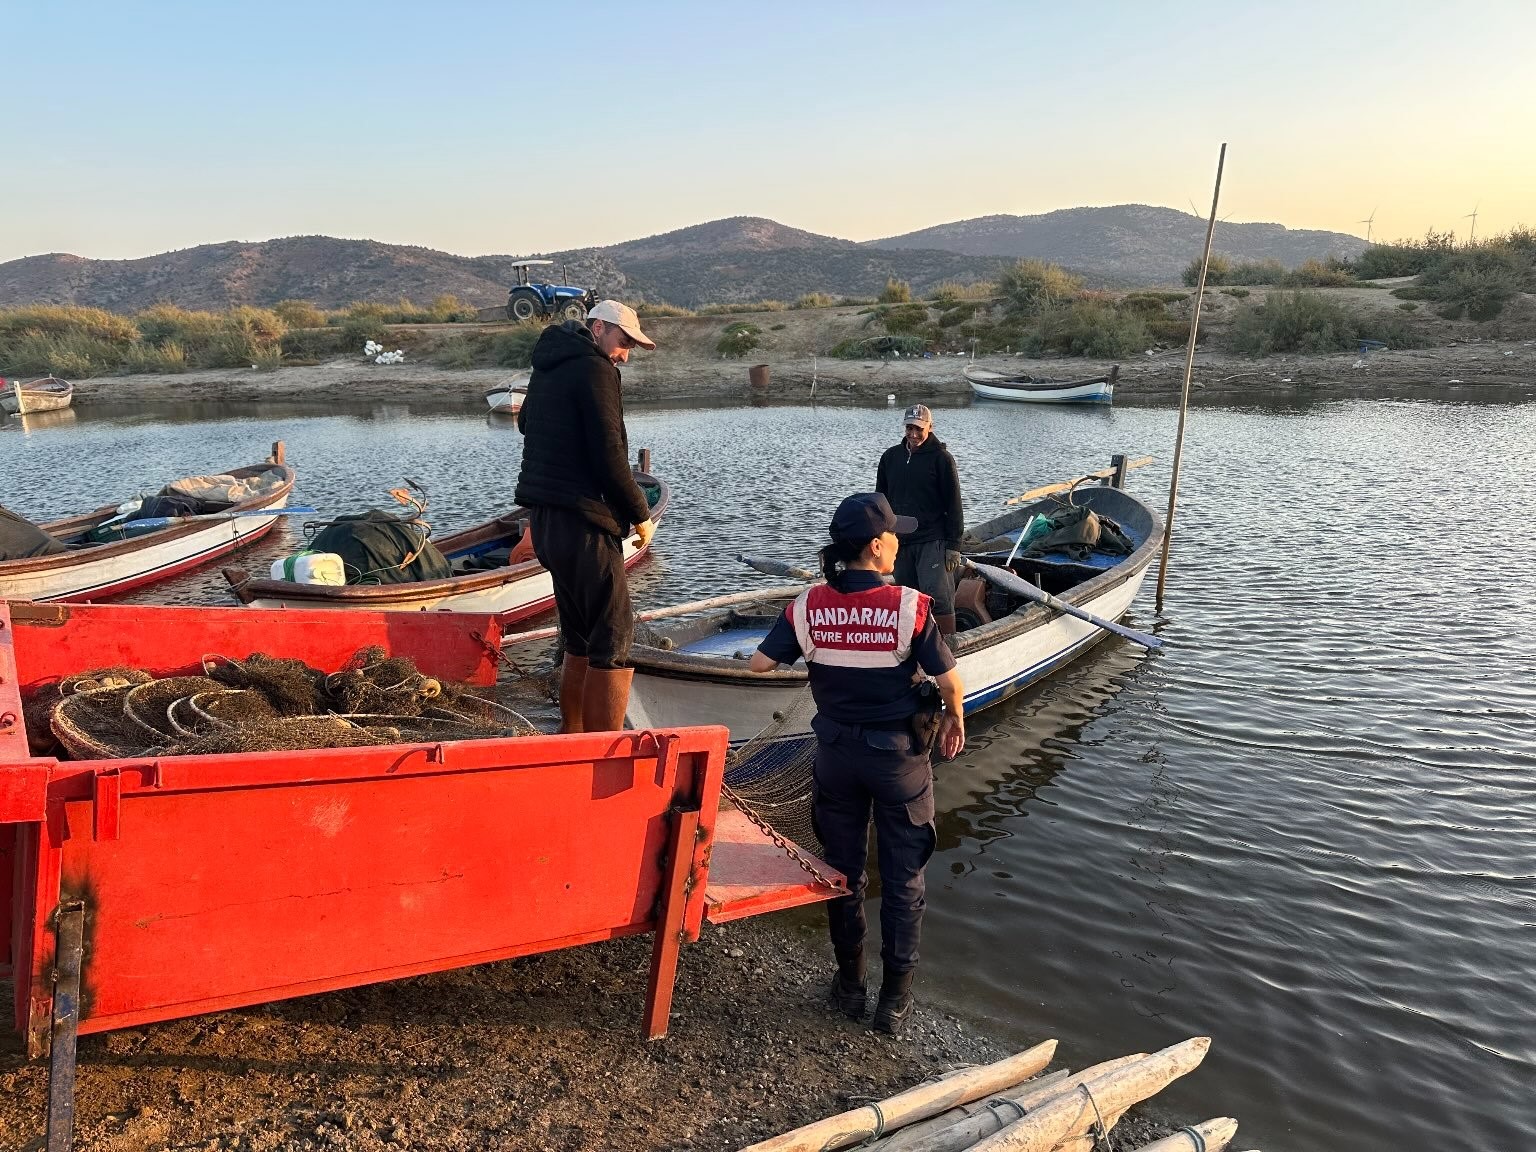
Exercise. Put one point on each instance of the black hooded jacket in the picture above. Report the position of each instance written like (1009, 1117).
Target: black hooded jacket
(924, 484)
(575, 450)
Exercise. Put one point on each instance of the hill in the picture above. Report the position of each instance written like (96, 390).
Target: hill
(741, 259)
(1131, 244)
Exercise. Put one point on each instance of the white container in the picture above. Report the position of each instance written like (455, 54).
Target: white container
(311, 568)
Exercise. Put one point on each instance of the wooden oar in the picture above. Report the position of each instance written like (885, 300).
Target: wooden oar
(769, 567)
(725, 601)
(167, 521)
(1067, 485)
(1018, 586)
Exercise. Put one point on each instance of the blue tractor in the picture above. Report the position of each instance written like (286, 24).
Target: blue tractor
(531, 300)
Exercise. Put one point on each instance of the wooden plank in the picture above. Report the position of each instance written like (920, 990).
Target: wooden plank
(749, 874)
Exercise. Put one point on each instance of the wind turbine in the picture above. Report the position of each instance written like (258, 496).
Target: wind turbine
(1368, 221)
(1472, 216)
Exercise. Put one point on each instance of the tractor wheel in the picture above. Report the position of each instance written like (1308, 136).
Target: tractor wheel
(573, 310)
(524, 306)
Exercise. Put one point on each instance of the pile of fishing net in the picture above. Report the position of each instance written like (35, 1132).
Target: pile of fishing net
(262, 704)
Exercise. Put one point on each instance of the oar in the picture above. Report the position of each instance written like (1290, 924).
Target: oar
(725, 601)
(167, 521)
(1018, 586)
(769, 567)
(1067, 485)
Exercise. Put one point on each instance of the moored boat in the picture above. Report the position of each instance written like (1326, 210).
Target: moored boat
(46, 395)
(686, 671)
(1020, 387)
(94, 569)
(494, 570)
(507, 399)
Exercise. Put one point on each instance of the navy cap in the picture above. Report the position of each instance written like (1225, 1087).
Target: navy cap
(865, 515)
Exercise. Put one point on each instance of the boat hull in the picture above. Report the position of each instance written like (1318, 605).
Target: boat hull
(1092, 392)
(29, 399)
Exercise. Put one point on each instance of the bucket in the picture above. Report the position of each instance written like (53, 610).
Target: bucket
(758, 375)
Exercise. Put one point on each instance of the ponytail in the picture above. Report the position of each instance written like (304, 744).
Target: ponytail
(836, 555)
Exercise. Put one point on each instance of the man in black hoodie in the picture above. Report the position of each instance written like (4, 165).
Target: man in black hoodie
(919, 478)
(577, 484)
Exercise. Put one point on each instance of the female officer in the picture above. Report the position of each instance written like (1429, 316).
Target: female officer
(863, 641)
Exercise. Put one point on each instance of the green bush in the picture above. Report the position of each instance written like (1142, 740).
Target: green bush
(1315, 274)
(903, 318)
(1236, 293)
(1029, 286)
(1478, 282)
(814, 300)
(958, 313)
(951, 292)
(879, 347)
(169, 357)
(514, 347)
(1303, 321)
(1143, 304)
(1216, 271)
(737, 339)
(357, 329)
(1403, 258)
(458, 352)
(313, 344)
(1408, 306)
(299, 314)
(1092, 328)
(895, 292)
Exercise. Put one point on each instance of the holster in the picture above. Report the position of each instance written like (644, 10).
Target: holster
(925, 721)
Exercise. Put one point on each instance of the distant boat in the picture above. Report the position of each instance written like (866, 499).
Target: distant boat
(1002, 386)
(47, 395)
(506, 399)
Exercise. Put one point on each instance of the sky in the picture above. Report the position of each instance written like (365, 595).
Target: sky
(131, 129)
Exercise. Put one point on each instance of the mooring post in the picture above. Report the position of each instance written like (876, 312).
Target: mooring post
(1117, 462)
(645, 461)
(69, 946)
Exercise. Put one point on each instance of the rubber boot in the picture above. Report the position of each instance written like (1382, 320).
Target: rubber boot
(607, 697)
(850, 994)
(896, 1002)
(573, 685)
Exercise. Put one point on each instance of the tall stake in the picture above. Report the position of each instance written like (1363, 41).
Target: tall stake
(1189, 367)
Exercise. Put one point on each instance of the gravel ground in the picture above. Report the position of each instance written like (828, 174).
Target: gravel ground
(539, 1053)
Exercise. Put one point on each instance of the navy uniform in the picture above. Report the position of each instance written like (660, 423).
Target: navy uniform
(864, 641)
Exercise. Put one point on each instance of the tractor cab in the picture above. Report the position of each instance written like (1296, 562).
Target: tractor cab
(531, 299)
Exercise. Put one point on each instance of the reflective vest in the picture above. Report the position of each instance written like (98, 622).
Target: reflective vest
(870, 629)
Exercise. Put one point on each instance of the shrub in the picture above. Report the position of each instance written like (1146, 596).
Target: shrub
(879, 347)
(1143, 304)
(168, 357)
(1304, 321)
(958, 314)
(68, 320)
(895, 292)
(1092, 328)
(1028, 286)
(1408, 306)
(814, 300)
(514, 347)
(1315, 274)
(743, 309)
(777, 327)
(904, 317)
(1477, 282)
(737, 339)
(662, 309)
(1236, 293)
(299, 314)
(193, 330)
(357, 329)
(314, 344)
(952, 292)
(458, 352)
(1215, 273)
(1403, 258)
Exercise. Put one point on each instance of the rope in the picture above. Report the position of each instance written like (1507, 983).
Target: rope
(1194, 1138)
(1103, 1132)
(879, 1123)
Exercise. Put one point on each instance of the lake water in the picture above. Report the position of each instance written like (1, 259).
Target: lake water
(1307, 827)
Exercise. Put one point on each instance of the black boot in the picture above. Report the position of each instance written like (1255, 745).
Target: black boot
(849, 991)
(896, 1002)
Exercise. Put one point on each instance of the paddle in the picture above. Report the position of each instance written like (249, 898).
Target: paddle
(1018, 586)
(726, 601)
(168, 521)
(1068, 485)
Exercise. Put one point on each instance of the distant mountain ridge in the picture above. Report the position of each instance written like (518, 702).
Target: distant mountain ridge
(743, 258)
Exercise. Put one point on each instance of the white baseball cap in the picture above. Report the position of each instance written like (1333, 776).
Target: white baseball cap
(622, 315)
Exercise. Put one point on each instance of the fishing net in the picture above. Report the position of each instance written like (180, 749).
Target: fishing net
(263, 704)
(770, 775)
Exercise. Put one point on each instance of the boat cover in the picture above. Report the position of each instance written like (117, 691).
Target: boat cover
(20, 538)
(378, 548)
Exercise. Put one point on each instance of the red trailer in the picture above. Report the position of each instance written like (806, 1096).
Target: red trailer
(147, 889)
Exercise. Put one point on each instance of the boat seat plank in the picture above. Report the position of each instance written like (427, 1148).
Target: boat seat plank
(727, 643)
(749, 874)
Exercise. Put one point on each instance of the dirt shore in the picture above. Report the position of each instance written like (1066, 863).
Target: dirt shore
(1495, 369)
(543, 1053)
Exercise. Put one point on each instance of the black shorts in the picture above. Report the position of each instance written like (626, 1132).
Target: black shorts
(591, 589)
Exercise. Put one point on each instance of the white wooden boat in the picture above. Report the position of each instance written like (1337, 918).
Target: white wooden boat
(95, 571)
(495, 570)
(1002, 386)
(694, 671)
(47, 395)
(506, 399)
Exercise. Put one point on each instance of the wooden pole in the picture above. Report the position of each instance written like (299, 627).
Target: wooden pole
(1189, 367)
(1210, 1136)
(713, 602)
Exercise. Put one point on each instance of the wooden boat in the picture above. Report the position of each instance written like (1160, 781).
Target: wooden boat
(506, 399)
(92, 571)
(47, 395)
(495, 570)
(1002, 386)
(690, 671)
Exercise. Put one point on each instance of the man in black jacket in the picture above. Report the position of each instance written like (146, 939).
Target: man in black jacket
(577, 484)
(919, 478)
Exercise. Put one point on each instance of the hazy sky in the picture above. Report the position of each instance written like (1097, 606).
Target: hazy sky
(132, 128)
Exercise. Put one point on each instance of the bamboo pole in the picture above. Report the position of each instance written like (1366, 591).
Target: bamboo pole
(1097, 1100)
(1189, 367)
(1210, 1136)
(960, 1128)
(874, 1120)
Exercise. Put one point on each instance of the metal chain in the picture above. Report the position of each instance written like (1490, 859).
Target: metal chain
(789, 847)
